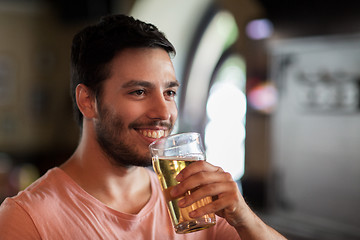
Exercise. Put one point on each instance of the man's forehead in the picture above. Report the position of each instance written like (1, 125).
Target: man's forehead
(145, 67)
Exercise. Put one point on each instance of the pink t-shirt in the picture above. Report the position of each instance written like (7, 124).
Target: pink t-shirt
(55, 207)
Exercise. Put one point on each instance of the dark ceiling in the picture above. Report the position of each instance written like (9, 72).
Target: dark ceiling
(308, 17)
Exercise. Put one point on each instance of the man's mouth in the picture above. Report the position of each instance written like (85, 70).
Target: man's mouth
(154, 133)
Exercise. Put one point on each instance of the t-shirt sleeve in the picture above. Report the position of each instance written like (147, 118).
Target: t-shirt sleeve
(15, 222)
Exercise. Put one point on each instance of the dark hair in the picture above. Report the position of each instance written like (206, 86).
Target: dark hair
(94, 47)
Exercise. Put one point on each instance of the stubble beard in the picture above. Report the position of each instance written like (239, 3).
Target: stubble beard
(110, 136)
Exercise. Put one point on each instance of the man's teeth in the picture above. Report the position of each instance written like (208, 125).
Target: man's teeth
(153, 133)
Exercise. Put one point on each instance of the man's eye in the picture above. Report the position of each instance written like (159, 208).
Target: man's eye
(138, 92)
(171, 93)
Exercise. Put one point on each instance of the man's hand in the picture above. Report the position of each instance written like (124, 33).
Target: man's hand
(209, 180)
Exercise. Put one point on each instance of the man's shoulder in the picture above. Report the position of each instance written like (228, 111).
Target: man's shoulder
(42, 192)
(36, 202)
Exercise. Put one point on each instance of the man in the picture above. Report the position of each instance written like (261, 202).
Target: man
(123, 88)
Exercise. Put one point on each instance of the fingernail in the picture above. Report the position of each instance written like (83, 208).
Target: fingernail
(181, 202)
(192, 214)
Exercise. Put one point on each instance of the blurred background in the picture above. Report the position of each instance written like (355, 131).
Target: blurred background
(273, 86)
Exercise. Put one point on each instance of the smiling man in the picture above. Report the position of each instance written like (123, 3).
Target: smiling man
(123, 87)
(138, 106)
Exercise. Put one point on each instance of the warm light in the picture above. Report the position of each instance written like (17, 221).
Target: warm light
(226, 102)
(226, 110)
(263, 97)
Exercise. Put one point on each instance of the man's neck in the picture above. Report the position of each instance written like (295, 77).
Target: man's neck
(123, 189)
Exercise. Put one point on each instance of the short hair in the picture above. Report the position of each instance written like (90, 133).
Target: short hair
(94, 47)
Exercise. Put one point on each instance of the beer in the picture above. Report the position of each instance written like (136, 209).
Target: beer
(167, 169)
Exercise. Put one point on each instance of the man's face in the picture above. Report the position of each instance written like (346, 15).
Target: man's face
(137, 105)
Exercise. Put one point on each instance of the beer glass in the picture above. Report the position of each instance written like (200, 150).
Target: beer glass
(169, 156)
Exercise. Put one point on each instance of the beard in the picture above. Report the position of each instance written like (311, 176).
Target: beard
(111, 136)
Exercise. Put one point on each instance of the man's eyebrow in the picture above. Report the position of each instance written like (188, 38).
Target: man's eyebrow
(134, 83)
(173, 84)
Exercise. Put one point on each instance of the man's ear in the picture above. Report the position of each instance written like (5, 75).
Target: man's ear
(85, 100)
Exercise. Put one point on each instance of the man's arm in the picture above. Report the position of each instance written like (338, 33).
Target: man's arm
(15, 223)
(228, 202)
(255, 228)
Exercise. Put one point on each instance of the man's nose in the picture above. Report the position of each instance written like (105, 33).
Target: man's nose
(160, 108)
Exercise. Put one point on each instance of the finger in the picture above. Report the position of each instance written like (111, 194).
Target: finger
(195, 167)
(217, 206)
(200, 179)
(209, 190)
